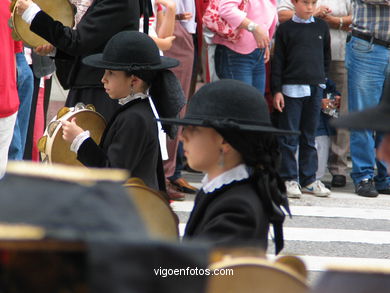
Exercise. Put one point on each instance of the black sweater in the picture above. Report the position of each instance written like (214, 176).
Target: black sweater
(302, 54)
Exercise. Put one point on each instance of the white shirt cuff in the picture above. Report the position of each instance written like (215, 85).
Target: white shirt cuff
(30, 12)
(78, 141)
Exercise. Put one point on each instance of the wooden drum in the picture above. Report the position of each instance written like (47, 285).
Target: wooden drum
(54, 149)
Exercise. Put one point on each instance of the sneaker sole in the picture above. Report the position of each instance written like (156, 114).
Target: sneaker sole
(316, 194)
(294, 195)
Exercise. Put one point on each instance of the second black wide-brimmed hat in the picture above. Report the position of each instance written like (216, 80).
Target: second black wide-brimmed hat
(375, 118)
(130, 51)
(228, 104)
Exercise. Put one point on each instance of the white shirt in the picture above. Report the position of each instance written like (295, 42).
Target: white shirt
(238, 173)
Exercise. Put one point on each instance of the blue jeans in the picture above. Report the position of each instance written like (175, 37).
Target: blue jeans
(249, 68)
(25, 91)
(367, 65)
(300, 114)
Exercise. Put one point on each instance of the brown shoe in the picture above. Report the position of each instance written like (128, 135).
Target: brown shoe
(183, 186)
(173, 194)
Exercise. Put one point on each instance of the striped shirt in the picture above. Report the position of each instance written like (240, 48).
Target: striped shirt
(372, 17)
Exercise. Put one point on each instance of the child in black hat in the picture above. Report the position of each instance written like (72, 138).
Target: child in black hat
(228, 135)
(132, 66)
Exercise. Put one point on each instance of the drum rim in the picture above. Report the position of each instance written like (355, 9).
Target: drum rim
(15, 15)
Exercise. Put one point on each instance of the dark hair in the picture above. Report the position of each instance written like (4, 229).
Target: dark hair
(260, 151)
(146, 75)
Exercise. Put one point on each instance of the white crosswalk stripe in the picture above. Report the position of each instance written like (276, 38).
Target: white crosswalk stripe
(342, 230)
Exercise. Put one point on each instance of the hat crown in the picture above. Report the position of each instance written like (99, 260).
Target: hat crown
(229, 100)
(131, 48)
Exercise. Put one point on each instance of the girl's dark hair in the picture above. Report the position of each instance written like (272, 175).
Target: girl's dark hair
(260, 151)
(146, 75)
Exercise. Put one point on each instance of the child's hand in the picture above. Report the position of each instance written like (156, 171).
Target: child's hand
(164, 44)
(70, 130)
(43, 50)
(279, 102)
(22, 5)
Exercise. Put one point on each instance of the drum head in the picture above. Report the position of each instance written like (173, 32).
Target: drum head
(88, 120)
(60, 10)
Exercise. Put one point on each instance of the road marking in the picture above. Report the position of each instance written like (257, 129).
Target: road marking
(314, 211)
(329, 235)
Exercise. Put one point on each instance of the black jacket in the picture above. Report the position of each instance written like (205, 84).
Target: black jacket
(233, 214)
(130, 142)
(103, 19)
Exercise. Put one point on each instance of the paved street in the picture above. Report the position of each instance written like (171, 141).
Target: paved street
(343, 229)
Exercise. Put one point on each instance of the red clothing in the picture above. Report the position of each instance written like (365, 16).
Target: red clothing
(9, 100)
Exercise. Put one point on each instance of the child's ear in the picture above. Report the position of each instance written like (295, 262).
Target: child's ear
(226, 147)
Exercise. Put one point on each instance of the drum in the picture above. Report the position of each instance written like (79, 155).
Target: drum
(60, 10)
(255, 274)
(54, 149)
(160, 221)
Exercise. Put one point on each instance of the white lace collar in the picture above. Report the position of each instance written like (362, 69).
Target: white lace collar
(133, 97)
(236, 174)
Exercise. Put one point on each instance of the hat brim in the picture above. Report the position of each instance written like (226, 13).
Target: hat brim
(243, 127)
(97, 61)
(377, 118)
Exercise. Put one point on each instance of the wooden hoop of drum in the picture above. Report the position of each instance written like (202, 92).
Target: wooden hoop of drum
(54, 149)
(160, 220)
(253, 274)
(60, 10)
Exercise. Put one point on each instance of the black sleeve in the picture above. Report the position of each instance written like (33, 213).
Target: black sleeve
(278, 62)
(125, 150)
(106, 18)
(327, 50)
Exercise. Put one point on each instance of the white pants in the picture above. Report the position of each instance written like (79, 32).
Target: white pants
(7, 125)
(322, 146)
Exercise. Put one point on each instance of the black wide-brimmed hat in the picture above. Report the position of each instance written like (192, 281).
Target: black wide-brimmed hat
(130, 51)
(375, 118)
(228, 104)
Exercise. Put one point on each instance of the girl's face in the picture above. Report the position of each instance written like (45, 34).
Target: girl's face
(116, 83)
(202, 147)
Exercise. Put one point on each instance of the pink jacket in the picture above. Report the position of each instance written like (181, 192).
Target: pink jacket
(262, 12)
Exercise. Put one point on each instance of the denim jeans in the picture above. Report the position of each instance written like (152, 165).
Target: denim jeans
(25, 91)
(300, 114)
(249, 68)
(367, 65)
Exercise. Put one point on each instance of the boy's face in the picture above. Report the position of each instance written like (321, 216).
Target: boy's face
(116, 83)
(202, 148)
(304, 8)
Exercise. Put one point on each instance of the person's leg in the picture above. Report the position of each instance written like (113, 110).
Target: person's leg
(339, 148)
(289, 119)
(322, 143)
(366, 64)
(259, 71)
(308, 161)
(382, 179)
(25, 92)
(233, 65)
(6, 131)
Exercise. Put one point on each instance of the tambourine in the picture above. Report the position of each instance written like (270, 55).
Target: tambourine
(60, 10)
(54, 149)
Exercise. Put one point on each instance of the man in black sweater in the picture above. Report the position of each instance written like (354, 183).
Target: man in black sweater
(299, 69)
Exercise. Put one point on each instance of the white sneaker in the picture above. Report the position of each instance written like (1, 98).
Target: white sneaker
(293, 189)
(317, 188)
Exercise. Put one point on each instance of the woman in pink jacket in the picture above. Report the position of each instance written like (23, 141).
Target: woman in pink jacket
(245, 59)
